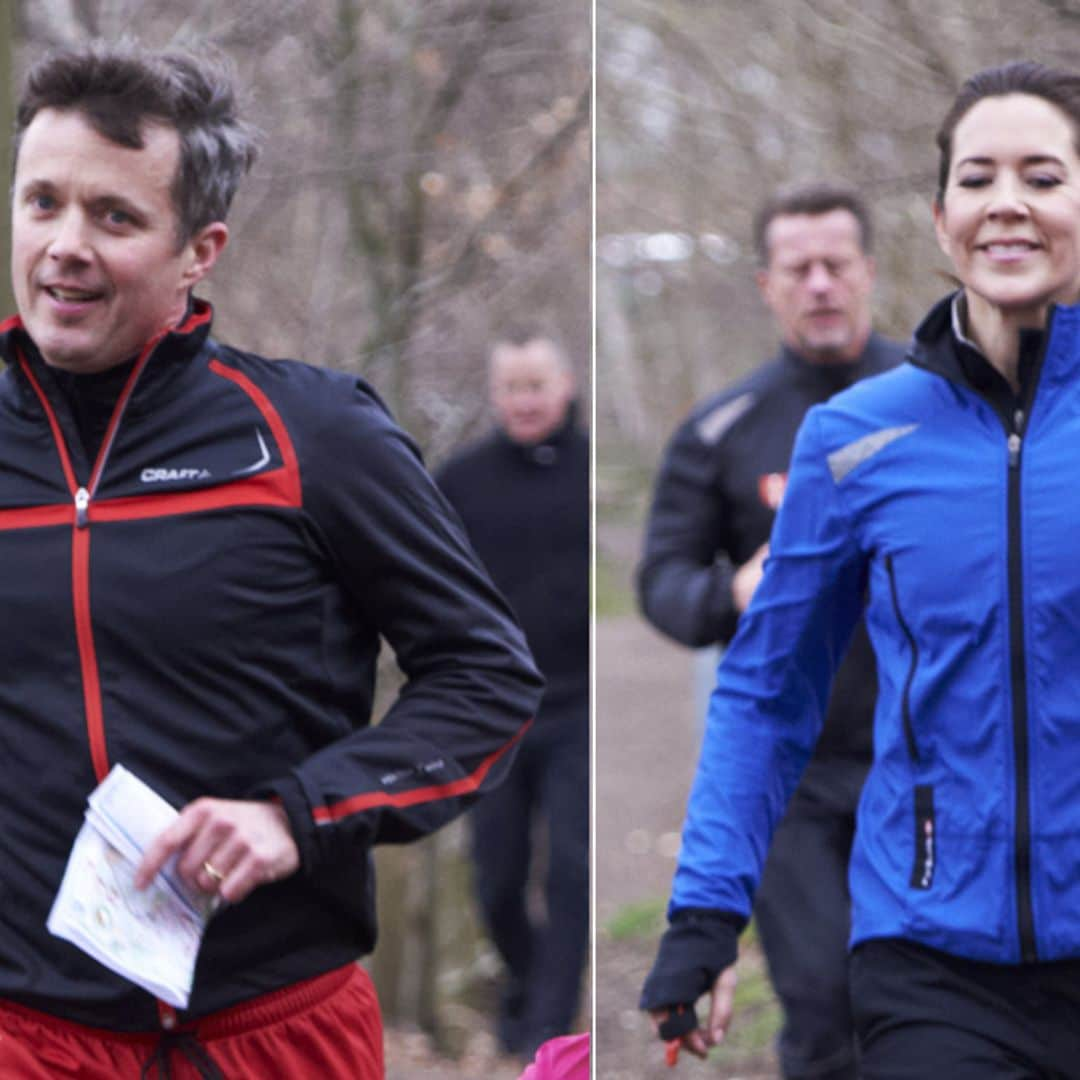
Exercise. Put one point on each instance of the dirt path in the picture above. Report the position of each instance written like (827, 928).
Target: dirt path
(647, 734)
(646, 739)
(409, 1056)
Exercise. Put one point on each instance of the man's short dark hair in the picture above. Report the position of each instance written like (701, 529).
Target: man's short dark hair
(121, 87)
(818, 197)
(523, 333)
(520, 334)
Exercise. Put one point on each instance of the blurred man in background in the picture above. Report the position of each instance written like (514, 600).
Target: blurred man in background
(719, 487)
(523, 494)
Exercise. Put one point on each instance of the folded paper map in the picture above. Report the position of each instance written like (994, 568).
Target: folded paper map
(150, 937)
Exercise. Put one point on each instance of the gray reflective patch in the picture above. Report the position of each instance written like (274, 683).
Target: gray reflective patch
(842, 461)
(711, 426)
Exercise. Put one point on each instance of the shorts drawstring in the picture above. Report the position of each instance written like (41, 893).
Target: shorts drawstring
(187, 1044)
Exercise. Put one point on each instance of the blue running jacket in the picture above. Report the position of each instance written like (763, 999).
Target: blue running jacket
(956, 527)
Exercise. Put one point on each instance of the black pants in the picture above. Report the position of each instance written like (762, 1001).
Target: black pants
(549, 781)
(922, 1013)
(802, 912)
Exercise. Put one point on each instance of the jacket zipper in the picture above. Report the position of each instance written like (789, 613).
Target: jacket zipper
(1014, 422)
(1018, 674)
(82, 495)
(905, 706)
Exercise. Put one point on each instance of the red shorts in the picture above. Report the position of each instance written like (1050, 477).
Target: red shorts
(328, 1027)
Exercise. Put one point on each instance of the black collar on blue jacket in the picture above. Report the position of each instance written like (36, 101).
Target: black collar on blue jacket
(937, 347)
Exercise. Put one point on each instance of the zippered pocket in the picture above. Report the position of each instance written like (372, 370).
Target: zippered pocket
(905, 701)
(922, 872)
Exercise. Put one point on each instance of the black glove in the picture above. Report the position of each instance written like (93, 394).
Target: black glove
(698, 945)
(679, 1021)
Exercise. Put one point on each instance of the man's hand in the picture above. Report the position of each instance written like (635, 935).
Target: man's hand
(747, 578)
(721, 1006)
(225, 846)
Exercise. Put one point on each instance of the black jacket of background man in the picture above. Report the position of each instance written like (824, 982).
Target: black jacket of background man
(715, 500)
(526, 510)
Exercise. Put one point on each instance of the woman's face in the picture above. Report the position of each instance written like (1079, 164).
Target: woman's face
(1010, 221)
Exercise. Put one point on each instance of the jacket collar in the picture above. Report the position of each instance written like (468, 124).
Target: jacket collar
(548, 451)
(1049, 359)
(170, 350)
(934, 345)
(942, 345)
(838, 376)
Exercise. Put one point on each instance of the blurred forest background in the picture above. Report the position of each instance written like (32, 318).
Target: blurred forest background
(702, 107)
(425, 179)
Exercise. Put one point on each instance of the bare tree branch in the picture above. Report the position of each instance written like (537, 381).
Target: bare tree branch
(464, 263)
(1062, 8)
(86, 16)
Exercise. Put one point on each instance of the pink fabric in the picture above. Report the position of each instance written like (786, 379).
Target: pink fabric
(565, 1058)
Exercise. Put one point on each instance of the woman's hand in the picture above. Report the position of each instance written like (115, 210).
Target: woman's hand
(699, 1040)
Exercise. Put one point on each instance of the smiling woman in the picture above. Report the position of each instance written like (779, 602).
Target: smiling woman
(1009, 218)
(939, 498)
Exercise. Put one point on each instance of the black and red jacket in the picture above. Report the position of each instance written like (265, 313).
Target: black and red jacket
(203, 603)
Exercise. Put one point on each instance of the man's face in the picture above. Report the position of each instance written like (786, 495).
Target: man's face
(818, 284)
(531, 389)
(95, 264)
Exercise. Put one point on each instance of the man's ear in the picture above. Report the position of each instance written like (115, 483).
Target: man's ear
(764, 284)
(203, 251)
(570, 382)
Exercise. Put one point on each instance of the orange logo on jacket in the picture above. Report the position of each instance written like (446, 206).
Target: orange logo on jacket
(771, 489)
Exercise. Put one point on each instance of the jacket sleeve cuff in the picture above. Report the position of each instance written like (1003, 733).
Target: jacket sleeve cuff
(725, 614)
(289, 792)
(697, 946)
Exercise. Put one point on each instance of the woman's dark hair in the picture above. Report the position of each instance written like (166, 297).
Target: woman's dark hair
(1058, 87)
